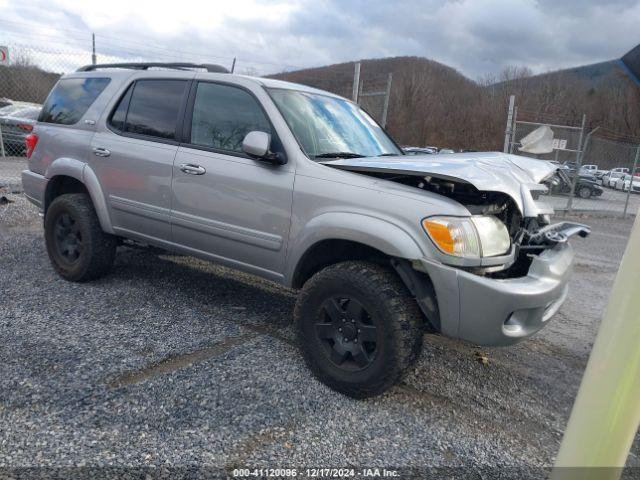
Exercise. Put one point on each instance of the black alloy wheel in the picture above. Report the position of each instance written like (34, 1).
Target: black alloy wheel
(67, 237)
(347, 332)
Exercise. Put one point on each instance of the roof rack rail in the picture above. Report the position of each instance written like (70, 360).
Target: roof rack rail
(145, 66)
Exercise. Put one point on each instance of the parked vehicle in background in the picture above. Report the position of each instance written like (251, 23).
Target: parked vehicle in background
(15, 128)
(601, 174)
(584, 169)
(300, 187)
(10, 107)
(633, 182)
(586, 185)
(619, 170)
(419, 150)
(609, 179)
(627, 181)
(446, 150)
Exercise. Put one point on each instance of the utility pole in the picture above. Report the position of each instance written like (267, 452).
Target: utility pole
(385, 107)
(507, 131)
(356, 82)
(93, 48)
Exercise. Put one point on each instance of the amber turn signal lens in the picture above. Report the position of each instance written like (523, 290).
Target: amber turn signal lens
(453, 235)
(440, 234)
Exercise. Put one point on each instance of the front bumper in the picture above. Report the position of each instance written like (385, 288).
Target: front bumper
(495, 312)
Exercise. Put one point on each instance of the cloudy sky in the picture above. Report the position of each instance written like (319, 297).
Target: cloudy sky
(474, 36)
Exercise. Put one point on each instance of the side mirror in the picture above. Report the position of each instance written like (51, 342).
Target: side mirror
(257, 145)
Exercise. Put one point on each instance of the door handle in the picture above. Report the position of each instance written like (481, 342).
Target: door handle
(101, 152)
(192, 169)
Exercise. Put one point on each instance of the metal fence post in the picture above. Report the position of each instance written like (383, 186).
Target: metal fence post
(356, 82)
(581, 136)
(513, 129)
(93, 48)
(507, 131)
(633, 171)
(385, 107)
(1, 143)
(579, 165)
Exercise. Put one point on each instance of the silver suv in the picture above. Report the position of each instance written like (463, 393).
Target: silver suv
(304, 188)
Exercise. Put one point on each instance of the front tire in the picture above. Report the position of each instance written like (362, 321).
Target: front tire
(359, 328)
(78, 248)
(584, 193)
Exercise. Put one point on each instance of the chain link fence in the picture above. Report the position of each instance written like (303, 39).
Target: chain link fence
(30, 73)
(374, 93)
(597, 166)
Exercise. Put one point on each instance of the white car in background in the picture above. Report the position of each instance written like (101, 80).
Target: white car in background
(619, 170)
(627, 180)
(609, 179)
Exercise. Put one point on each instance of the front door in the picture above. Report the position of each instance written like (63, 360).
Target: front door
(227, 206)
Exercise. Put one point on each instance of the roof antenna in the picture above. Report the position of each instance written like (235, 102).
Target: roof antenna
(233, 65)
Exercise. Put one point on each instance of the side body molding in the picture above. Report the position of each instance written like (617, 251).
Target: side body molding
(73, 168)
(374, 232)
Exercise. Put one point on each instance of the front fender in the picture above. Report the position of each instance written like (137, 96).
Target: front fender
(374, 232)
(73, 168)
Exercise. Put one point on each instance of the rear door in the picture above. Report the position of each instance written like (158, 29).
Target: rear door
(226, 206)
(133, 156)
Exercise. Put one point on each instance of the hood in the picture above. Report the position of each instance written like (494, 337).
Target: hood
(492, 171)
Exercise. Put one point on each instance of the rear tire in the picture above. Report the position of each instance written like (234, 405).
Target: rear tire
(359, 328)
(78, 248)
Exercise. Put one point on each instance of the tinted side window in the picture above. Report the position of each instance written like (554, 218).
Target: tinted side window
(223, 115)
(70, 99)
(153, 109)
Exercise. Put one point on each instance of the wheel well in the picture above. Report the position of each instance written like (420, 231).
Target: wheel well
(59, 185)
(328, 252)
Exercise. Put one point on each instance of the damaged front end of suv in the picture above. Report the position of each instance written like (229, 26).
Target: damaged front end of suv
(500, 273)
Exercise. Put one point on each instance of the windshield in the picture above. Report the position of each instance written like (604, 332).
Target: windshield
(329, 127)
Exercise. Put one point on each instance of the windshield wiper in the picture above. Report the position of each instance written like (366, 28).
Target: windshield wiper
(390, 155)
(339, 155)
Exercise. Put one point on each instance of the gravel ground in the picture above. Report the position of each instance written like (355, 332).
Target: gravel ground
(172, 361)
(11, 171)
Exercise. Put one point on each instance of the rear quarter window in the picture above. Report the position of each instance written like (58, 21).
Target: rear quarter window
(70, 99)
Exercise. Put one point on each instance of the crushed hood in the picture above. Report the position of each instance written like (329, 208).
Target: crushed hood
(491, 171)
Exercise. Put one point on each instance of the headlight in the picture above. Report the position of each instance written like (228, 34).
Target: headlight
(468, 237)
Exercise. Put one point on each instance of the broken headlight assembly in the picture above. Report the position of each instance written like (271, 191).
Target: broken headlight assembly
(468, 237)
